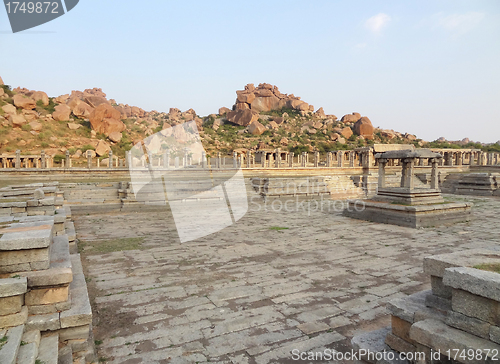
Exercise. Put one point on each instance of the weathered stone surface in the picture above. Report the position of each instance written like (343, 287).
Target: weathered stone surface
(11, 305)
(8, 258)
(13, 286)
(364, 128)
(24, 102)
(224, 110)
(49, 322)
(8, 354)
(351, 118)
(26, 236)
(436, 265)
(405, 308)
(27, 353)
(439, 289)
(49, 344)
(74, 126)
(439, 336)
(36, 126)
(75, 333)
(495, 334)
(115, 136)
(398, 344)
(46, 296)
(479, 282)
(41, 96)
(346, 132)
(17, 120)
(468, 324)
(478, 307)
(9, 109)
(102, 148)
(15, 319)
(51, 277)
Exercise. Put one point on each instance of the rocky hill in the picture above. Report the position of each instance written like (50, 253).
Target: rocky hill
(261, 118)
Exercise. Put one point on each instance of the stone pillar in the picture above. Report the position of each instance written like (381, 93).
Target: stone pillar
(235, 160)
(404, 172)
(43, 160)
(472, 158)
(241, 160)
(263, 159)
(459, 158)
(278, 158)
(290, 159)
(89, 158)
(329, 159)
(18, 159)
(421, 162)
(410, 171)
(219, 161)
(316, 159)
(176, 161)
(271, 158)
(110, 155)
(98, 162)
(67, 159)
(303, 160)
(186, 152)
(204, 160)
(381, 172)
(340, 158)
(434, 174)
(351, 159)
(249, 159)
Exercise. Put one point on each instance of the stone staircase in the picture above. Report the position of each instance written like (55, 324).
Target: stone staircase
(45, 312)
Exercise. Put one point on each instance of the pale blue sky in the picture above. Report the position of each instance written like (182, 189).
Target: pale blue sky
(428, 67)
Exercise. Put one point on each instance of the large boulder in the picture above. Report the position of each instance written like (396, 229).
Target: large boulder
(24, 102)
(320, 113)
(74, 126)
(364, 128)
(106, 119)
(256, 128)
(242, 117)
(346, 132)
(95, 101)
(266, 103)
(36, 126)
(351, 118)
(82, 110)
(102, 148)
(224, 110)
(9, 109)
(115, 137)
(61, 112)
(246, 97)
(41, 96)
(17, 120)
(61, 99)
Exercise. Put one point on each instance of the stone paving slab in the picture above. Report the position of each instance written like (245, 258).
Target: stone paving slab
(251, 293)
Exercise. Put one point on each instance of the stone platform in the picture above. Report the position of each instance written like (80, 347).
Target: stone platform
(410, 216)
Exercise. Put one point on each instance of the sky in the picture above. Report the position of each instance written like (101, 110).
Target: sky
(426, 67)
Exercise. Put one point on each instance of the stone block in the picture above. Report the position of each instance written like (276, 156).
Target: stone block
(27, 353)
(49, 322)
(23, 236)
(398, 344)
(400, 328)
(13, 286)
(40, 265)
(439, 289)
(435, 265)
(439, 336)
(479, 282)
(468, 324)
(49, 345)
(46, 296)
(405, 307)
(49, 277)
(495, 334)
(474, 306)
(10, 349)
(59, 254)
(23, 256)
(11, 305)
(15, 319)
(32, 203)
(38, 194)
(18, 210)
(22, 267)
(53, 308)
(439, 303)
(75, 333)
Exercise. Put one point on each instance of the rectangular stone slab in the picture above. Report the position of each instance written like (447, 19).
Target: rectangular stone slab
(27, 236)
(479, 282)
(435, 265)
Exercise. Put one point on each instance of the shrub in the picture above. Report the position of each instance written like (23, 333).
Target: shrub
(44, 144)
(26, 127)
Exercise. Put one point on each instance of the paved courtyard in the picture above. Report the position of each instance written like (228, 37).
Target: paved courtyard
(252, 293)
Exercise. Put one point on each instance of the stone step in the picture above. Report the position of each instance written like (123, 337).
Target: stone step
(10, 348)
(65, 355)
(80, 312)
(373, 343)
(70, 230)
(28, 350)
(48, 349)
(438, 336)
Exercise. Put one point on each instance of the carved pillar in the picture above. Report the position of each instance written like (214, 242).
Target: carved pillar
(434, 174)
(67, 159)
(278, 158)
(235, 160)
(203, 160)
(290, 159)
(316, 159)
(110, 159)
(249, 159)
(340, 158)
(89, 159)
(263, 156)
(381, 172)
(43, 160)
(18, 159)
